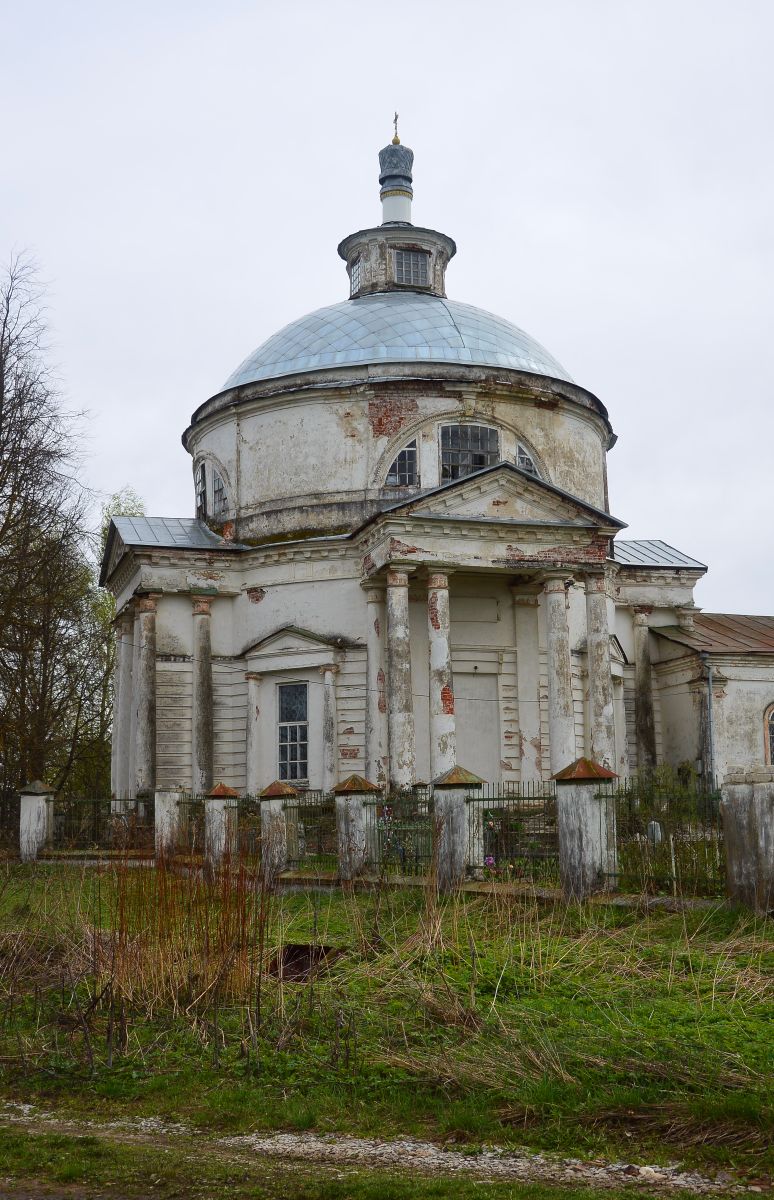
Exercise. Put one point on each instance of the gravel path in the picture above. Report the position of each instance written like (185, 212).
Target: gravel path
(401, 1155)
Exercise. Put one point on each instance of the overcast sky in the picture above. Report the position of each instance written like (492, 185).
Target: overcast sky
(183, 172)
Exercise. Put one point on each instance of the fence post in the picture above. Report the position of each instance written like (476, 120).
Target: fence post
(167, 820)
(586, 827)
(274, 830)
(217, 835)
(351, 824)
(450, 816)
(36, 819)
(747, 810)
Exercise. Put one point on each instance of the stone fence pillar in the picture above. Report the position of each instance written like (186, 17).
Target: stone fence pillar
(351, 797)
(450, 818)
(167, 820)
(36, 819)
(586, 827)
(219, 823)
(274, 830)
(747, 811)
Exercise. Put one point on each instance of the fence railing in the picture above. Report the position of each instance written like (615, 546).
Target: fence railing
(512, 833)
(310, 822)
(669, 840)
(101, 825)
(399, 830)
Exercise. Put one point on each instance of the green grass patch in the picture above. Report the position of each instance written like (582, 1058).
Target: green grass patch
(583, 1030)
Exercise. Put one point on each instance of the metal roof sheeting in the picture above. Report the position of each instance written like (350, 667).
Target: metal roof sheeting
(724, 633)
(653, 553)
(396, 327)
(185, 532)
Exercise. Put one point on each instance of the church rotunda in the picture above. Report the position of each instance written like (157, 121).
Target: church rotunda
(403, 558)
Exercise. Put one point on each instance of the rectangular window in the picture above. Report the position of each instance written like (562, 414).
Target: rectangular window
(219, 499)
(293, 732)
(411, 266)
(467, 448)
(355, 277)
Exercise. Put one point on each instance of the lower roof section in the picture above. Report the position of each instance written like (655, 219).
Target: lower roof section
(653, 553)
(723, 633)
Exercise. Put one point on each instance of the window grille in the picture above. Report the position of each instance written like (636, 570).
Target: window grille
(525, 460)
(201, 490)
(403, 472)
(467, 448)
(355, 278)
(769, 734)
(411, 266)
(293, 731)
(219, 497)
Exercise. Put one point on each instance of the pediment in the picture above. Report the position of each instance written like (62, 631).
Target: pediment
(505, 493)
(291, 640)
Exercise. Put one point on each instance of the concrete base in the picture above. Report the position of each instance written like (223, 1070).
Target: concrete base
(351, 835)
(587, 835)
(36, 814)
(451, 835)
(167, 821)
(274, 839)
(747, 809)
(217, 825)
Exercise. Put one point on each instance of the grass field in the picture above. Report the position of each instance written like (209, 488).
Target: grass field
(588, 1031)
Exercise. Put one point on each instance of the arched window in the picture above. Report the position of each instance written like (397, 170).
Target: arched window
(467, 448)
(525, 460)
(403, 472)
(768, 734)
(201, 490)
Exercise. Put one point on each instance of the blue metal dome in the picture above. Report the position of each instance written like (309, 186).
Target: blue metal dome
(396, 327)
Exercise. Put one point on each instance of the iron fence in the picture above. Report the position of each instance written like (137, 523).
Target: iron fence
(668, 839)
(102, 826)
(190, 829)
(399, 833)
(243, 825)
(512, 833)
(310, 822)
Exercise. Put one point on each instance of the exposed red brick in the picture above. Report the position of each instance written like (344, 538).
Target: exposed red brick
(381, 696)
(447, 700)
(255, 594)
(228, 531)
(368, 564)
(398, 547)
(377, 627)
(349, 751)
(350, 730)
(388, 414)
(432, 610)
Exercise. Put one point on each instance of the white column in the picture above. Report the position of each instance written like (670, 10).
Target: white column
(443, 742)
(644, 718)
(601, 714)
(122, 717)
(330, 728)
(525, 620)
(376, 688)
(401, 734)
(252, 742)
(145, 697)
(201, 715)
(561, 711)
(131, 791)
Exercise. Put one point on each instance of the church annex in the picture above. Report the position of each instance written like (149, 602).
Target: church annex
(403, 558)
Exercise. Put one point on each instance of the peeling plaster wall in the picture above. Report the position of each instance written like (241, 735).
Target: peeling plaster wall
(316, 460)
(173, 723)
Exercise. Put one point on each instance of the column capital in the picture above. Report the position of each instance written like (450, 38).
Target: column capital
(595, 582)
(326, 667)
(438, 579)
(641, 613)
(374, 591)
(521, 598)
(557, 583)
(201, 606)
(147, 603)
(253, 677)
(398, 576)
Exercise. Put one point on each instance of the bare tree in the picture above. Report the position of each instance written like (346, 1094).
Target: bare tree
(54, 624)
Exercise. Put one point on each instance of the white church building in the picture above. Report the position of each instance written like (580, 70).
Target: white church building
(403, 558)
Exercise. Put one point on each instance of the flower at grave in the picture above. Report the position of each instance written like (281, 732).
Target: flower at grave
(489, 861)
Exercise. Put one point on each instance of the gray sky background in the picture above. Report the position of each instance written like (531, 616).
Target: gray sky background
(183, 173)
